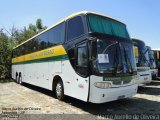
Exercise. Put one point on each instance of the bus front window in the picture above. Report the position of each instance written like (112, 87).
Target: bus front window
(143, 57)
(151, 58)
(113, 57)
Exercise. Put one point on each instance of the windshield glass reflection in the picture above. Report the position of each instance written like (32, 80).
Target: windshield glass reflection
(114, 57)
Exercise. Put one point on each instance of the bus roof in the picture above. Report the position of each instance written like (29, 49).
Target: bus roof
(158, 49)
(67, 18)
(148, 46)
(136, 39)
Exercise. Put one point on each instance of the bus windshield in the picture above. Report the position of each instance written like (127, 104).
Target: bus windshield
(114, 57)
(143, 57)
(151, 58)
(100, 24)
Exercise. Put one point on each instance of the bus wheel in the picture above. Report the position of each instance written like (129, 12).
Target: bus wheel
(59, 90)
(20, 80)
(17, 81)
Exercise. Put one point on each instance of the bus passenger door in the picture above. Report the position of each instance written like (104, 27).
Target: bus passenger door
(82, 71)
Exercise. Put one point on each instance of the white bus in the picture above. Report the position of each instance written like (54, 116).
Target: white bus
(87, 56)
(152, 61)
(157, 59)
(142, 62)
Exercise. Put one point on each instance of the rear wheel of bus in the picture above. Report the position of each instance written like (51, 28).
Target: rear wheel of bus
(20, 79)
(17, 78)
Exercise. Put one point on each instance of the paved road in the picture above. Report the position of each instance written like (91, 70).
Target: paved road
(29, 99)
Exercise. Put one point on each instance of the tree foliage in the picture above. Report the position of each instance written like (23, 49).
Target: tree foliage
(28, 32)
(9, 39)
(6, 45)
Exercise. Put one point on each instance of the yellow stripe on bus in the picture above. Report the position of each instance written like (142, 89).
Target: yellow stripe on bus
(50, 52)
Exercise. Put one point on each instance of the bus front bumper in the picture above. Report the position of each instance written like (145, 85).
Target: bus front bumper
(111, 94)
(143, 80)
(154, 73)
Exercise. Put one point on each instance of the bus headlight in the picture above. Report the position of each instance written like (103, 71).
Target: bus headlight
(102, 85)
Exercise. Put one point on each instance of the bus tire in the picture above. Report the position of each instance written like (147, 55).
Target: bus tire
(17, 78)
(59, 90)
(20, 79)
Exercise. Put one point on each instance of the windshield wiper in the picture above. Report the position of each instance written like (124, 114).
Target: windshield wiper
(143, 58)
(116, 61)
(109, 47)
(116, 56)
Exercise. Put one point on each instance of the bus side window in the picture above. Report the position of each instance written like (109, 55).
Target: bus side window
(75, 28)
(22, 49)
(29, 46)
(15, 53)
(56, 34)
(72, 57)
(82, 60)
(28, 49)
(43, 41)
(18, 51)
(35, 44)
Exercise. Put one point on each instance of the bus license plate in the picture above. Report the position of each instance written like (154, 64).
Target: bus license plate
(146, 78)
(121, 97)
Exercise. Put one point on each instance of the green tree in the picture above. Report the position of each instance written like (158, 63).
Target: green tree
(39, 24)
(6, 45)
(28, 32)
(11, 38)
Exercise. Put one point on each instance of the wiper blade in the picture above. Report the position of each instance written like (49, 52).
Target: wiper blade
(116, 61)
(109, 47)
(143, 59)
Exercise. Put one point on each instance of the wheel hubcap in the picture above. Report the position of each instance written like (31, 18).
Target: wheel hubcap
(58, 89)
(20, 80)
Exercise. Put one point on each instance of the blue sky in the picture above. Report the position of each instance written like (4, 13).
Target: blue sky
(142, 17)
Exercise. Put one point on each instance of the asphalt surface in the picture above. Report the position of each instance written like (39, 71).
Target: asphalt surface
(40, 103)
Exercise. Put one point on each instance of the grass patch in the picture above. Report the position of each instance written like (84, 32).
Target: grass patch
(6, 80)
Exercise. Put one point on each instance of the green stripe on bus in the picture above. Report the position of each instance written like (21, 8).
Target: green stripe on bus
(54, 58)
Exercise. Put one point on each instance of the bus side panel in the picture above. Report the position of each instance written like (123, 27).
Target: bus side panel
(74, 85)
(29, 74)
(13, 72)
(54, 68)
(36, 74)
(42, 74)
(17, 69)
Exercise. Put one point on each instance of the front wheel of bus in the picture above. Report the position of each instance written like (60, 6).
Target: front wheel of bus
(59, 90)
